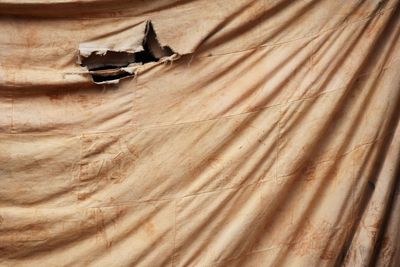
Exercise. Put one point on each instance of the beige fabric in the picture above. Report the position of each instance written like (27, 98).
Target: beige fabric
(271, 137)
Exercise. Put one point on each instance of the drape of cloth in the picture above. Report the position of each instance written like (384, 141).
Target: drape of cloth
(272, 140)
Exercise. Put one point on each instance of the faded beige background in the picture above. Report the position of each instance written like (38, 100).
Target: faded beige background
(273, 140)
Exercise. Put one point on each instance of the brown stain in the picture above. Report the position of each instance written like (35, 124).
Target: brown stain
(89, 171)
(90, 100)
(377, 224)
(113, 169)
(87, 140)
(359, 155)
(83, 195)
(55, 96)
(31, 37)
(107, 161)
(31, 40)
(387, 251)
(24, 236)
(103, 219)
(101, 224)
(328, 255)
(119, 168)
(133, 150)
(308, 171)
(313, 238)
(149, 228)
(374, 28)
(33, 227)
(121, 211)
(101, 144)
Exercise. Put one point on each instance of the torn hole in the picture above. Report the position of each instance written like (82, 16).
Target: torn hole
(110, 66)
(99, 78)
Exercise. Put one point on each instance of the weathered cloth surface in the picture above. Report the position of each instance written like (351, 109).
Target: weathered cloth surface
(268, 135)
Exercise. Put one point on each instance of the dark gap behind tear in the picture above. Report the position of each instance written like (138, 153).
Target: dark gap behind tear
(115, 60)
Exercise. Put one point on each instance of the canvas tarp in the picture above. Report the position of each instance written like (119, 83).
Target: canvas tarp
(266, 133)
